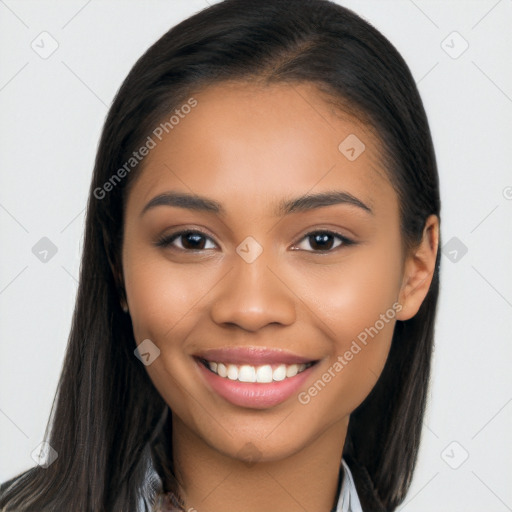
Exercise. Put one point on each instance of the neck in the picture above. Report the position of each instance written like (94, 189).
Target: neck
(213, 482)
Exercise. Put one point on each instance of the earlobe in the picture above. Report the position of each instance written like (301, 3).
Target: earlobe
(419, 270)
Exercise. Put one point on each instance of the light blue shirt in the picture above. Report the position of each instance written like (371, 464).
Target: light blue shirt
(348, 500)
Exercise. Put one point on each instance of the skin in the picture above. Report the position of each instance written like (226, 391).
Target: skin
(248, 147)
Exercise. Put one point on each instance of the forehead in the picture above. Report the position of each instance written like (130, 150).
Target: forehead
(250, 145)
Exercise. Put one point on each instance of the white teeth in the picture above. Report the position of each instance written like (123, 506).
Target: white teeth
(232, 372)
(292, 370)
(222, 371)
(262, 374)
(247, 373)
(279, 373)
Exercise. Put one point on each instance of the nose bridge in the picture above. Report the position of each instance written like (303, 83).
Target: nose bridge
(252, 296)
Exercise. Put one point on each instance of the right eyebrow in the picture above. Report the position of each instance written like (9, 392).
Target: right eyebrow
(184, 200)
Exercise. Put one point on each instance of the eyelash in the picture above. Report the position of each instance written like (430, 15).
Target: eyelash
(167, 240)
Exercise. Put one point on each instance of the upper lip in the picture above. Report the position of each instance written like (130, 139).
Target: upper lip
(252, 356)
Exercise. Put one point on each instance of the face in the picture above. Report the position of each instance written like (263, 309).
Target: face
(255, 246)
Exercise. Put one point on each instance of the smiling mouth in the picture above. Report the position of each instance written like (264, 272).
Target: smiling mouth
(264, 374)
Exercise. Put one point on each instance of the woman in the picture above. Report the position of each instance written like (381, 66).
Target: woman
(254, 322)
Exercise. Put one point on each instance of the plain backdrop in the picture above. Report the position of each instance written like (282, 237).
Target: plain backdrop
(52, 109)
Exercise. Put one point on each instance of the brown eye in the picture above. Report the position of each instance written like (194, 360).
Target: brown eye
(188, 241)
(323, 241)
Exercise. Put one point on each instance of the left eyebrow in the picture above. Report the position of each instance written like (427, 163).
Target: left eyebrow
(312, 201)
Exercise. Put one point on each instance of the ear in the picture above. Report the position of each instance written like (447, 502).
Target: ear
(418, 270)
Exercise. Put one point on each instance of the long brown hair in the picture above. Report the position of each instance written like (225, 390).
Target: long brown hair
(108, 422)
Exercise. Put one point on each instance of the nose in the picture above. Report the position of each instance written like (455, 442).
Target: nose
(253, 296)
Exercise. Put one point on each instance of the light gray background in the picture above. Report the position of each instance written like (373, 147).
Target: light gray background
(52, 112)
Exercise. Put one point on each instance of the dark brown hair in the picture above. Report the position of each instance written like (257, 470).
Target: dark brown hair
(108, 422)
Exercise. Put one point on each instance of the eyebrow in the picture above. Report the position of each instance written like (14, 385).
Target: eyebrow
(285, 207)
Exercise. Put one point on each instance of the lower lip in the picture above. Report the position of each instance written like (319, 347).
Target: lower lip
(253, 394)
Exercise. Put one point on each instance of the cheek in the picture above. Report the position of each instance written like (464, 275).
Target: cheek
(161, 295)
(165, 305)
(356, 305)
(352, 294)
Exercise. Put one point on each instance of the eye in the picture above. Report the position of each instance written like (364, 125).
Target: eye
(187, 241)
(193, 240)
(323, 241)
